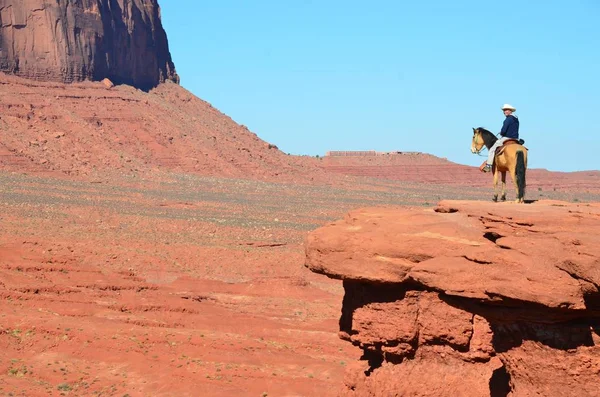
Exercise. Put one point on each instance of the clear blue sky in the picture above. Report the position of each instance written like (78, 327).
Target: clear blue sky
(318, 75)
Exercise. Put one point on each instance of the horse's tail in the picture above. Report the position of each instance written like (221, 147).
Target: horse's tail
(520, 174)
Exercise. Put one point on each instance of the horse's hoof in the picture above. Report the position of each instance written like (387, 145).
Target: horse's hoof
(503, 198)
(495, 199)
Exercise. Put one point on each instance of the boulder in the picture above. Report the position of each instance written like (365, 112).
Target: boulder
(107, 83)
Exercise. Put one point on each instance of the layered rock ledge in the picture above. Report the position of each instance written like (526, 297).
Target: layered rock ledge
(75, 40)
(468, 299)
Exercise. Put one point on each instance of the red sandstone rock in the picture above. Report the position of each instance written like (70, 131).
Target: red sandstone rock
(107, 83)
(469, 299)
(68, 41)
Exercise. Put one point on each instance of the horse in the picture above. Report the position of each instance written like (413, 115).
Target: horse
(512, 159)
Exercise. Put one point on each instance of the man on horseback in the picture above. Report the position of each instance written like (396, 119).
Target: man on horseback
(510, 130)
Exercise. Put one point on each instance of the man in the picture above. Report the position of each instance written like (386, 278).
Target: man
(510, 130)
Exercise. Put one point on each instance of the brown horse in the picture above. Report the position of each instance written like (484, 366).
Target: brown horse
(513, 159)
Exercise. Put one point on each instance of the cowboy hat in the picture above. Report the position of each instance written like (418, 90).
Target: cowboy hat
(508, 107)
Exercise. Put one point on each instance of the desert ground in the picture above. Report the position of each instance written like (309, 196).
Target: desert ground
(150, 245)
(175, 284)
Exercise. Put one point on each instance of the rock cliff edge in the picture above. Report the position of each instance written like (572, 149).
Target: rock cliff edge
(469, 299)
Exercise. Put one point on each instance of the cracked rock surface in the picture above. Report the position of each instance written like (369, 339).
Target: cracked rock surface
(469, 298)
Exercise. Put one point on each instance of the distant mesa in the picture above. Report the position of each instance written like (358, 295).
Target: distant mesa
(75, 40)
(364, 153)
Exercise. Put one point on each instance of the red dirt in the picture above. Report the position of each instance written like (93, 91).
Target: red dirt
(84, 129)
(425, 168)
(149, 245)
(118, 290)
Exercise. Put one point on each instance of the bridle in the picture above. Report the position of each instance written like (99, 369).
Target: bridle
(476, 141)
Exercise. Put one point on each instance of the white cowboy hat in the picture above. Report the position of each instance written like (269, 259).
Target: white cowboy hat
(508, 107)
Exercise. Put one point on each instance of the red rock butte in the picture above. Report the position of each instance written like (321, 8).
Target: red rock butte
(76, 40)
(468, 299)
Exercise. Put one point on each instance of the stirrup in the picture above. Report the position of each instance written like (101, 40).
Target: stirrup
(485, 167)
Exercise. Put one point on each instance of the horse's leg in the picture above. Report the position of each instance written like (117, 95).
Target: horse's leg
(516, 160)
(503, 196)
(513, 175)
(496, 174)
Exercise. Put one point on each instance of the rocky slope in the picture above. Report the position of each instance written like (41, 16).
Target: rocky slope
(75, 40)
(469, 299)
(87, 128)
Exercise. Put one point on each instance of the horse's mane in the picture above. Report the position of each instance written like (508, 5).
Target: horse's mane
(488, 137)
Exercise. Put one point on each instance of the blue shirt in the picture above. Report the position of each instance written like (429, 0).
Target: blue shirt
(510, 128)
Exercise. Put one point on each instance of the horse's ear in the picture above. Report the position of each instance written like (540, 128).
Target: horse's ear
(474, 129)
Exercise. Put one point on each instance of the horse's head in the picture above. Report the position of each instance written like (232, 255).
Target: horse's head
(477, 143)
(481, 138)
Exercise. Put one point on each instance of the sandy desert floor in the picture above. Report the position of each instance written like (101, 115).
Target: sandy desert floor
(177, 285)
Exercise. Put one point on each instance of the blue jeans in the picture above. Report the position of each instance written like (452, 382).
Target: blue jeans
(492, 151)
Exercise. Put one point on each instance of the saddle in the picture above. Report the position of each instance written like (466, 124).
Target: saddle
(500, 150)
